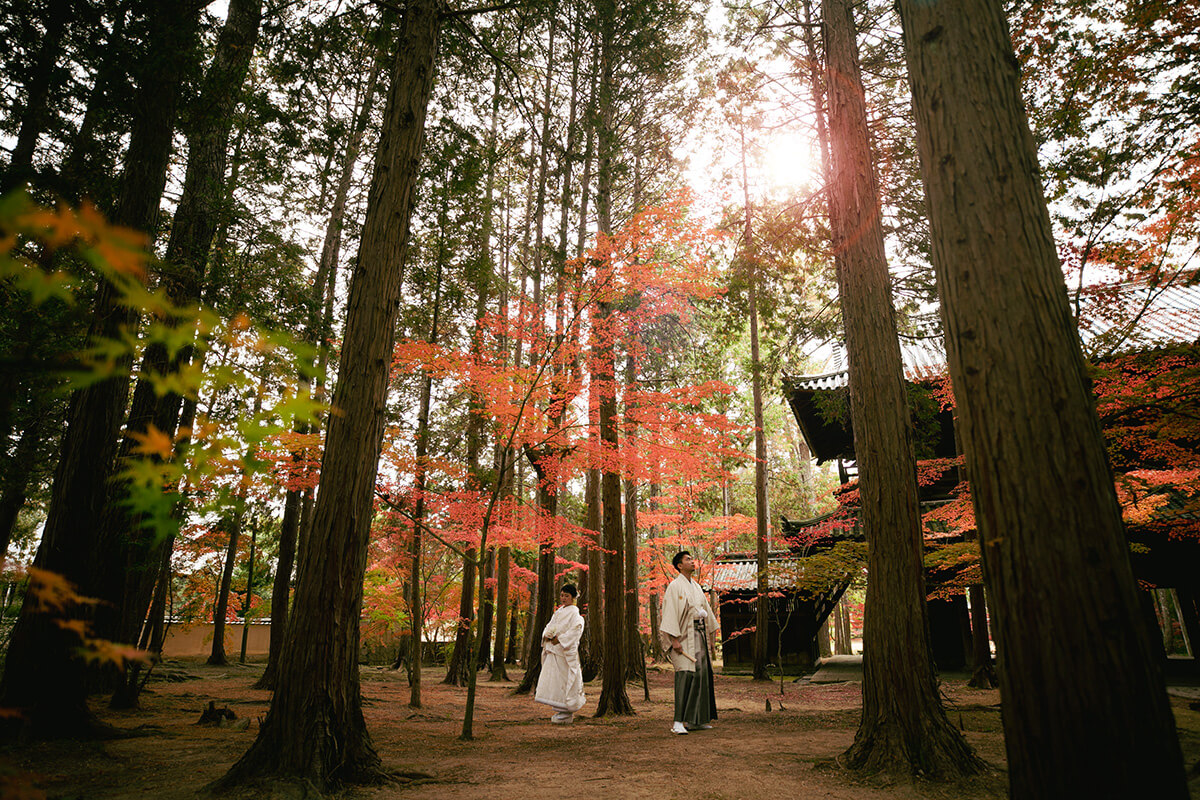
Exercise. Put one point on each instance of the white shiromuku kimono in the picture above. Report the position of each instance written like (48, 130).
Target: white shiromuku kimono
(560, 684)
(684, 602)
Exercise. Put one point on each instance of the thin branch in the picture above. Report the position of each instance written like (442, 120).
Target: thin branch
(468, 12)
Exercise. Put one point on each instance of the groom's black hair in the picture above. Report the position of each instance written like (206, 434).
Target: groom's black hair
(679, 557)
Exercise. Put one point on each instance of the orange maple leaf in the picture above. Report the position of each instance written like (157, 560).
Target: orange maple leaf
(152, 443)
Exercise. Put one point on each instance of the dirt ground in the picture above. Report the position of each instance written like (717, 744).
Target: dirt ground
(751, 752)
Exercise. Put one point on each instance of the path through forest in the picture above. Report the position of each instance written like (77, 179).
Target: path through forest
(517, 753)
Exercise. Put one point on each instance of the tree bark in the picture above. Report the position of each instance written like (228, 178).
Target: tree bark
(316, 332)
(903, 727)
(42, 676)
(613, 697)
(314, 731)
(1095, 720)
(131, 550)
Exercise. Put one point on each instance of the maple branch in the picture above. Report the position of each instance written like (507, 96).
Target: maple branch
(398, 507)
(1163, 407)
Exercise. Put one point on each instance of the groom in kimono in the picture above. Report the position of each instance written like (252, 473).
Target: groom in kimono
(687, 618)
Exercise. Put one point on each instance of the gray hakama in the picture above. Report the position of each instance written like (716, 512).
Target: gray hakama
(695, 700)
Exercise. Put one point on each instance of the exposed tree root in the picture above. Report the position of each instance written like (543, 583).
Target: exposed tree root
(984, 678)
(274, 768)
(934, 751)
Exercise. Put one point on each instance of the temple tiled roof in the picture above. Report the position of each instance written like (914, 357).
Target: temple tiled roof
(1116, 316)
(741, 574)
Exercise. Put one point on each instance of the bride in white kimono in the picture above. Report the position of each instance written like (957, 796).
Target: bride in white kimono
(560, 684)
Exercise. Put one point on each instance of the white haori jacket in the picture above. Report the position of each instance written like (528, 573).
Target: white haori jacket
(684, 602)
(561, 683)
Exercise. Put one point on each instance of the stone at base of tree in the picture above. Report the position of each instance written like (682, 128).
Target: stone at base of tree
(222, 717)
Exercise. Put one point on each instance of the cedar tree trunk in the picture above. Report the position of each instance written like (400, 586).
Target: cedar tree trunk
(42, 675)
(903, 727)
(1094, 720)
(314, 732)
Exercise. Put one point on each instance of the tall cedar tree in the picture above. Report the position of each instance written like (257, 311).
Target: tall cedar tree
(903, 726)
(316, 333)
(761, 549)
(1093, 720)
(314, 731)
(133, 552)
(42, 675)
(613, 697)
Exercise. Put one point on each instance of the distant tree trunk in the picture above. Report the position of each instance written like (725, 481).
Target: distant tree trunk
(14, 484)
(636, 664)
(35, 116)
(249, 590)
(217, 655)
(843, 644)
(652, 602)
(761, 522)
(416, 606)
(527, 631)
(983, 674)
(85, 170)
(42, 676)
(547, 493)
(456, 669)
(1189, 614)
(1183, 626)
(903, 726)
(592, 650)
(281, 587)
(487, 613)
(511, 656)
(155, 633)
(502, 457)
(1092, 721)
(613, 698)
(823, 636)
(594, 631)
(314, 730)
(499, 673)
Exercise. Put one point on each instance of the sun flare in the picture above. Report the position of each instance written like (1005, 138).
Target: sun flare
(789, 163)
